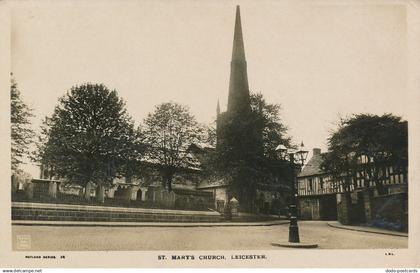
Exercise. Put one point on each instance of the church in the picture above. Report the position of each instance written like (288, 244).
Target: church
(238, 145)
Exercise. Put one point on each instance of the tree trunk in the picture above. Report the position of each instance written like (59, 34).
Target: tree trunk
(169, 181)
(165, 180)
(87, 190)
(100, 193)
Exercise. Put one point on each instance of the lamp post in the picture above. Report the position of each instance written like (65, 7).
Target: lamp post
(296, 159)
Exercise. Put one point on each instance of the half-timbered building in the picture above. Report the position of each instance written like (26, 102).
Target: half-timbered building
(374, 194)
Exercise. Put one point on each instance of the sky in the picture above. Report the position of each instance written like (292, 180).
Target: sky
(319, 61)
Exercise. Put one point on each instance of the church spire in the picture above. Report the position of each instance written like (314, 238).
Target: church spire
(238, 51)
(218, 108)
(238, 100)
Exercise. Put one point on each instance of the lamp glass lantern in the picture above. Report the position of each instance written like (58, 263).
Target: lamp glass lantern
(301, 154)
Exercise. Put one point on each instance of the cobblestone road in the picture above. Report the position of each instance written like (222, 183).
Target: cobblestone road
(195, 238)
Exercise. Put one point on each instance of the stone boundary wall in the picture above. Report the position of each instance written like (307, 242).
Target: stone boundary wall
(385, 211)
(390, 211)
(59, 212)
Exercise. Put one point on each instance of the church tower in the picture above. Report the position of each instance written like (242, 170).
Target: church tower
(238, 100)
(239, 96)
(238, 138)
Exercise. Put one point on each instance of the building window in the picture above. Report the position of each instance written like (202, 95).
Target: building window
(321, 182)
(310, 184)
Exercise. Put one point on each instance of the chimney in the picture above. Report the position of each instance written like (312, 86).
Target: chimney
(316, 151)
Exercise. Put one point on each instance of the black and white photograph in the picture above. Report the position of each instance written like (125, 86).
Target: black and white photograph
(185, 128)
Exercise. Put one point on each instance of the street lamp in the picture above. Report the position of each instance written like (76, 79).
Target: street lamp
(296, 159)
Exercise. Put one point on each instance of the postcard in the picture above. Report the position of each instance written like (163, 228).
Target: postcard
(210, 134)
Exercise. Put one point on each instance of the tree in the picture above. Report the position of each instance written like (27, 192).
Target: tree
(245, 153)
(365, 145)
(39, 155)
(21, 132)
(90, 138)
(210, 135)
(169, 130)
(268, 120)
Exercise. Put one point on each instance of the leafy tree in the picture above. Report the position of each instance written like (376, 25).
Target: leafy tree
(169, 130)
(268, 120)
(365, 145)
(21, 132)
(39, 155)
(90, 138)
(237, 156)
(274, 133)
(245, 154)
(210, 135)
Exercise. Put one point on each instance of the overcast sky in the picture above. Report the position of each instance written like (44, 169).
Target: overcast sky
(319, 62)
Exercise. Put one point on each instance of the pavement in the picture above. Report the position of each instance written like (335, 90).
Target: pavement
(367, 229)
(333, 224)
(233, 237)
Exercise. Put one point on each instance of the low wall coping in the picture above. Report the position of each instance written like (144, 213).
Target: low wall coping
(110, 209)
